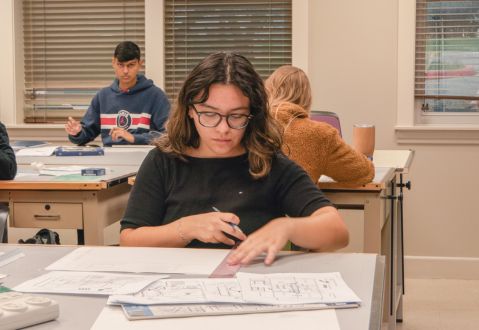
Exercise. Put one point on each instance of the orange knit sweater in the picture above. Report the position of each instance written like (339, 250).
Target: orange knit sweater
(319, 149)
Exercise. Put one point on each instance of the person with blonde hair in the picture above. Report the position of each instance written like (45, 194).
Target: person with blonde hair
(316, 146)
(218, 175)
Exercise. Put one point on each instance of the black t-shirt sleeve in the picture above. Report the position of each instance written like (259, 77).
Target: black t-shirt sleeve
(146, 203)
(296, 192)
(8, 165)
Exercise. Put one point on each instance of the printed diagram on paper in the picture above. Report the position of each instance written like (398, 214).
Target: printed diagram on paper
(87, 283)
(295, 288)
(187, 291)
(272, 289)
(194, 290)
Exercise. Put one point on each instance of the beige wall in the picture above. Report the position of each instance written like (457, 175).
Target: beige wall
(352, 52)
(354, 72)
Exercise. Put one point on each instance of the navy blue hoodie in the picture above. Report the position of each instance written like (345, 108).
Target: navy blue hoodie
(142, 111)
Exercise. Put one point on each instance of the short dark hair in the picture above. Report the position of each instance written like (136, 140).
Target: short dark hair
(126, 51)
(262, 137)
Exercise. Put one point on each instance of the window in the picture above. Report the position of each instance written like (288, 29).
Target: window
(68, 46)
(447, 59)
(259, 30)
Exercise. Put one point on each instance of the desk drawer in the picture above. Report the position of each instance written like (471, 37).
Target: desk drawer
(48, 215)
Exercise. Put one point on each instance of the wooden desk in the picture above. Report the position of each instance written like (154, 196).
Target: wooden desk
(86, 204)
(382, 220)
(364, 273)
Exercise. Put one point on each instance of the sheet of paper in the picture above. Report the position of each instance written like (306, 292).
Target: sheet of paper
(26, 174)
(87, 283)
(145, 312)
(37, 151)
(272, 289)
(112, 317)
(20, 144)
(185, 291)
(295, 288)
(61, 170)
(141, 260)
(325, 178)
(10, 256)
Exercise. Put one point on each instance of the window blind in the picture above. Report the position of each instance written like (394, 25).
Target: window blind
(447, 55)
(259, 30)
(68, 47)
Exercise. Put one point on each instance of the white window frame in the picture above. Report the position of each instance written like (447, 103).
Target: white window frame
(11, 84)
(429, 129)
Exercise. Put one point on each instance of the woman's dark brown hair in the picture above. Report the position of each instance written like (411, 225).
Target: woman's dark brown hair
(262, 138)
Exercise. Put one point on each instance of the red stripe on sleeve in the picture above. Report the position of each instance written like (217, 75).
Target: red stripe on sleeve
(108, 121)
(145, 121)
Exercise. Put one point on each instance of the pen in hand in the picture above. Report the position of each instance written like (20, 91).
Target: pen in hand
(233, 225)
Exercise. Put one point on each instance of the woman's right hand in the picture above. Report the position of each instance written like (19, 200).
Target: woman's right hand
(210, 228)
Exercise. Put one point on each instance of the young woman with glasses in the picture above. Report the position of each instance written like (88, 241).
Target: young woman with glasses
(218, 175)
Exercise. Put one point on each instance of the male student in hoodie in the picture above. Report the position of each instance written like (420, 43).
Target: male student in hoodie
(130, 111)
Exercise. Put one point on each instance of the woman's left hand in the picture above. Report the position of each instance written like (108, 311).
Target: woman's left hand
(270, 239)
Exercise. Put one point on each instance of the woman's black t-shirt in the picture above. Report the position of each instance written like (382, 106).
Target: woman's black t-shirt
(167, 188)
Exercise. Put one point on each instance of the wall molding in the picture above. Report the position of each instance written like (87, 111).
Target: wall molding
(52, 133)
(444, 135)
(441, 267)
(44, 132)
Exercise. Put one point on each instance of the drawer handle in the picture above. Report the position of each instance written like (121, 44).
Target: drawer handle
(46, 217)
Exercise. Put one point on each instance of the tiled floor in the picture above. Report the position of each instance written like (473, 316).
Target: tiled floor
(436, 304)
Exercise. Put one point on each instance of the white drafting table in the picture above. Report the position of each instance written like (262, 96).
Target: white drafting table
(123, 156)
(364, 273)
(382, 219)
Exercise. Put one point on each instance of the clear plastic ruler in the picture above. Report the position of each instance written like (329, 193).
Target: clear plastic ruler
(224, 270)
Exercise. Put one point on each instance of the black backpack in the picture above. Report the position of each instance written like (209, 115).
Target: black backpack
(44, 236)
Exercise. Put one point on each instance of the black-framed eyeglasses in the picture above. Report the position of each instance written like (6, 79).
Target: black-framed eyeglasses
(213, 119)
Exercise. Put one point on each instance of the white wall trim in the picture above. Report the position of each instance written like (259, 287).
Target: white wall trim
(445, 135)
(52, 133)
(7, 58)
(300, 34)
(406, 61)
(441, 267)
(155, 42)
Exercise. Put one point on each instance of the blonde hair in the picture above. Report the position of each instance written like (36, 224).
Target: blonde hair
(289, 84)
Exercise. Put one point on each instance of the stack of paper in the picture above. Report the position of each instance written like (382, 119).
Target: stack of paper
(37, 151)
(87, 283)
(61, 170)
(21, 144)
(154, 296)
(247, 288)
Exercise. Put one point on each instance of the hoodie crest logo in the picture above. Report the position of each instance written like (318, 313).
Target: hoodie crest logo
(123, 119)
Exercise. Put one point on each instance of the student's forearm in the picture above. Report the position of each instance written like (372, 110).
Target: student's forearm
(160, 236)
(322, 231)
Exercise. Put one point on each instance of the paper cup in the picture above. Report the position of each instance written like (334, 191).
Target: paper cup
(364, 139)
